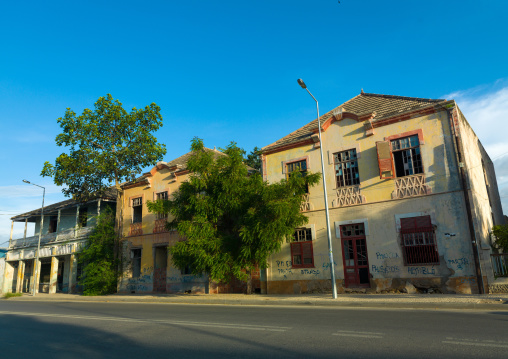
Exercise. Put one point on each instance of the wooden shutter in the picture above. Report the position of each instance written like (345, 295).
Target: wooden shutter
(384, 158)
(307, 254)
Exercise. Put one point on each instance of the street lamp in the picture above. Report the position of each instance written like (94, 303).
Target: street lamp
(330, 247)
(36, 267)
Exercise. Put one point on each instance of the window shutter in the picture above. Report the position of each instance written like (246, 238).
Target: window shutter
(307, 255)
(384, 157)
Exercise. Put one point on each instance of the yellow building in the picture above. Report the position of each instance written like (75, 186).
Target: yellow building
(147, 265)
(410, 189)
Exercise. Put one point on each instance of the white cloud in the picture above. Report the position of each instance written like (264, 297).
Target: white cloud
(486, 109)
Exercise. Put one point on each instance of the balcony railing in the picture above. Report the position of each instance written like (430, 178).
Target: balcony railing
(410, 186)
(500, 264)
(160, 225)
(347, 196)
(55, 237)
(136, 229)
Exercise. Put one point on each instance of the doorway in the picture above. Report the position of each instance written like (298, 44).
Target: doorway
(354, 256)
(160, 268)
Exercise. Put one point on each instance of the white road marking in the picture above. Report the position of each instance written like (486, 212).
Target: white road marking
(352, 333)
(173, 322)
(476, 342)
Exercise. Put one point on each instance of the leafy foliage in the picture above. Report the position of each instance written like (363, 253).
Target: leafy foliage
(231, 221)
(106, 145)
(254, 159)
(98, 259)
(501, 236)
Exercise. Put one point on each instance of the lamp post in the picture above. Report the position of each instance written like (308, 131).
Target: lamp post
(36, 267)
(330, 246)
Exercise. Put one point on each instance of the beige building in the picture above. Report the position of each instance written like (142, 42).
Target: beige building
(412, 194)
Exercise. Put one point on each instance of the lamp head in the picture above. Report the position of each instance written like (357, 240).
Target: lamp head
(26, 181)
(302, 84)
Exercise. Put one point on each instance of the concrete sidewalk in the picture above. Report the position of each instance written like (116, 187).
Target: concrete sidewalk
(491, 302)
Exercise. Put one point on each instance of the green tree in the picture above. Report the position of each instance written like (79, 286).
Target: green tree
(231, 221)
(100, 266)
(253, 159)
(106, 146)
(501, 237)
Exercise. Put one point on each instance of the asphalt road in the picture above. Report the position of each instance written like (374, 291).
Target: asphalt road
(126, 330)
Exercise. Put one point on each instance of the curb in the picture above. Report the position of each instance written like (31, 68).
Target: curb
(356, 304)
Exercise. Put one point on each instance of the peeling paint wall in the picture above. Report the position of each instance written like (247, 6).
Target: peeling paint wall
(381, 213)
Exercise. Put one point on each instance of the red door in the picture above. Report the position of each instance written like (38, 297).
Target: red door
(354, 256)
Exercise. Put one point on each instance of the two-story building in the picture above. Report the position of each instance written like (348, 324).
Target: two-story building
(412, 194)
(65, 229)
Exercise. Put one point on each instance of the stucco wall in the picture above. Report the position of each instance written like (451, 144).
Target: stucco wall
(2, 269)
(444, 202)
(68, 218)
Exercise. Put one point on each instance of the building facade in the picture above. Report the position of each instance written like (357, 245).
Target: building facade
(412, 194)
(146, 262)
(65, 229)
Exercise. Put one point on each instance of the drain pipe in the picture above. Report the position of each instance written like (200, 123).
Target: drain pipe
(458, 149)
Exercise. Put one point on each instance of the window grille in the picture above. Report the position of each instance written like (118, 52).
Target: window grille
(418, 241)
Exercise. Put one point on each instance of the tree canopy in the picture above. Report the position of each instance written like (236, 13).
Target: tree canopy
(232, 221)
(106, 145)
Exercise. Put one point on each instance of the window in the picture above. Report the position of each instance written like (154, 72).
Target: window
(136, 262)
(53, 221)
(187, 270)
(161, 196)
(83, 217)
(406, 156)
(418, 241)
(137, 210)
(297, 167)
(346, 168)
(302, 255)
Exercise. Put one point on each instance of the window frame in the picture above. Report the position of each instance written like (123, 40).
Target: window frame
(302, 246)
(303, 172)
(415, 156)
(134, 207)
(158, 196)
(336, 162)
(422, 230)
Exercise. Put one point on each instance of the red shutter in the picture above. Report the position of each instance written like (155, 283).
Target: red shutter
(307, 254)
(384, 158)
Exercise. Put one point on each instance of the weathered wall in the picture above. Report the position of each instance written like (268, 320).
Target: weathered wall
(380, 212)
(482, 185)
(68, 218)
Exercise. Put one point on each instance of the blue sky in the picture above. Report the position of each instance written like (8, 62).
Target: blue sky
(227, 70)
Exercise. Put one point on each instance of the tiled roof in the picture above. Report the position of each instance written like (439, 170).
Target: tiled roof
(365, 103)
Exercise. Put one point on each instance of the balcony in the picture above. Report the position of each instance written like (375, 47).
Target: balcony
(49, 238)
(410, 186)
(347, 196)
